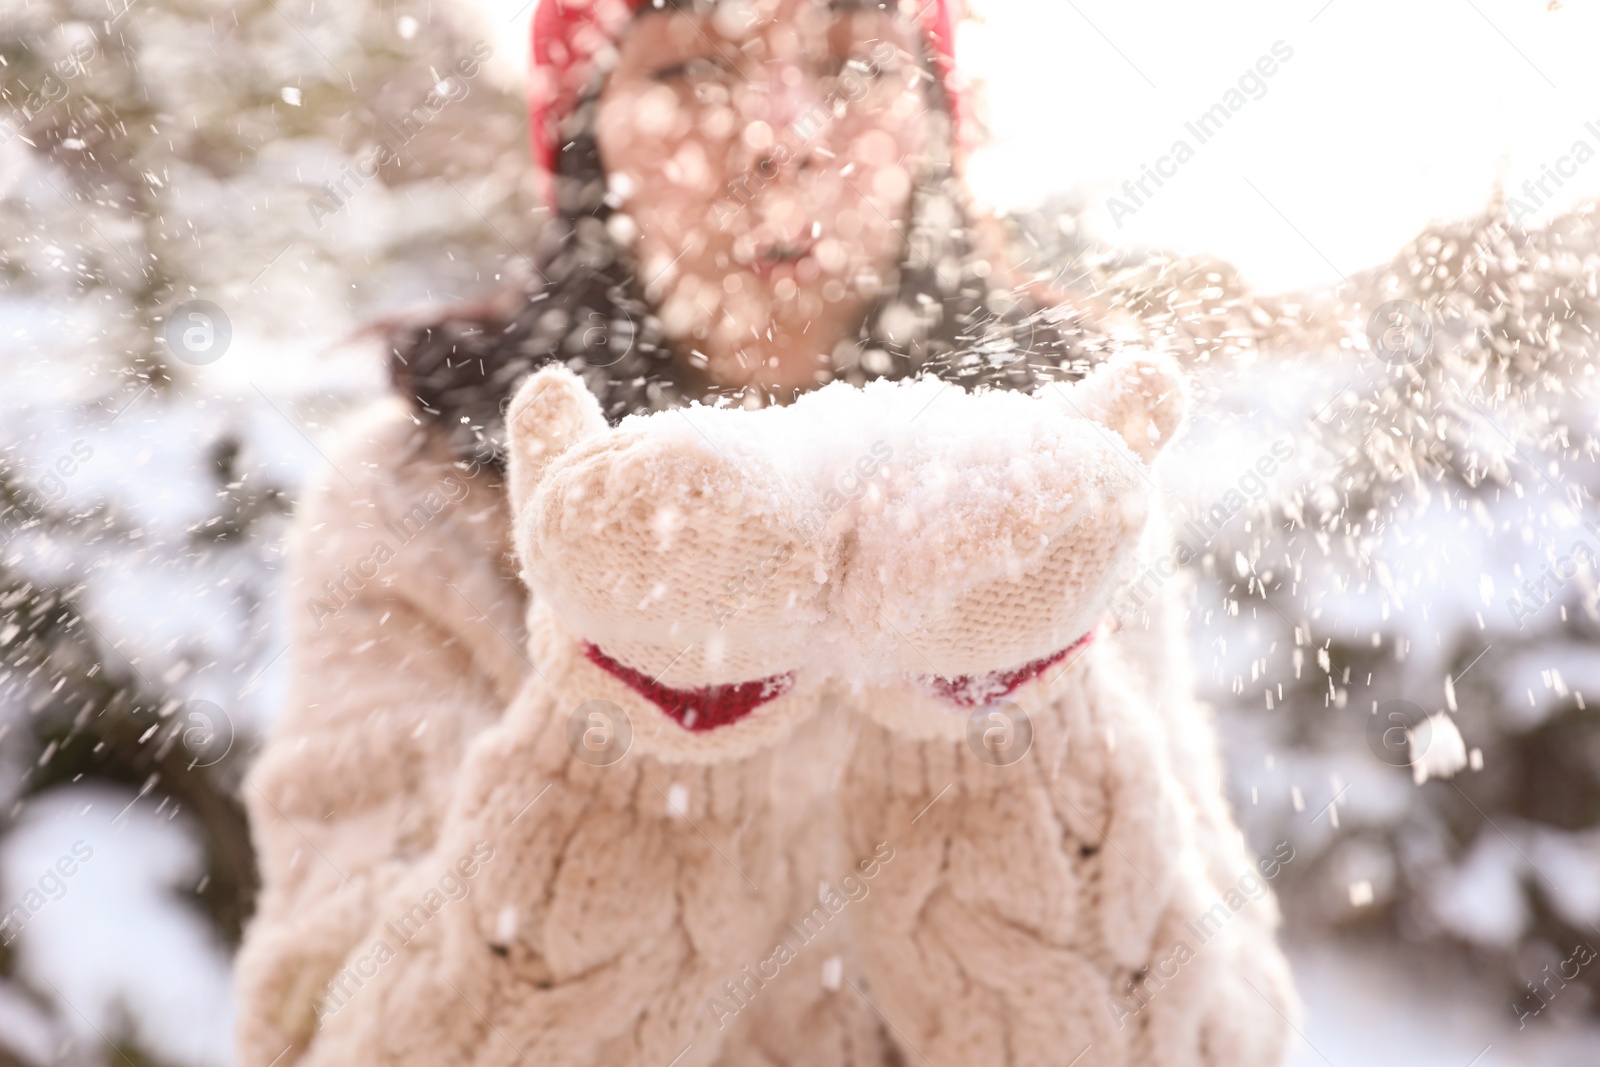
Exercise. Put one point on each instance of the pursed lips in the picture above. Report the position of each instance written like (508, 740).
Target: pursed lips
(778, 256)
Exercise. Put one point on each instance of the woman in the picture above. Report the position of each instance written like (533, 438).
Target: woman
(750, 199)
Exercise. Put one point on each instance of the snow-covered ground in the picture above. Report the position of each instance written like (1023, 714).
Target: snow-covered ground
(100, 872)
(1371, 1006)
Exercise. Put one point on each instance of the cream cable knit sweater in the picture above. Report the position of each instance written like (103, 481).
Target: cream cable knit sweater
(835, 878)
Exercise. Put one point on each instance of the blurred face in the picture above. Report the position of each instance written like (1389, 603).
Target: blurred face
(764, 157)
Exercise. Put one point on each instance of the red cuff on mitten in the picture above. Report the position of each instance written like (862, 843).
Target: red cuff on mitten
(699, 710)
(976, 690)
(696, 710)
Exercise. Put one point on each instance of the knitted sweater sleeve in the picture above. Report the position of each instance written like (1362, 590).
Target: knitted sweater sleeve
(401, 649)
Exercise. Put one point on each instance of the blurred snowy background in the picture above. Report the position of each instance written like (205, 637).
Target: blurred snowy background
(1428, 548)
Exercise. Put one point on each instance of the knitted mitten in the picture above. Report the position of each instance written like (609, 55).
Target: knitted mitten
(1008, 522)
(646, 835)
(666, 568)
(1057, 885)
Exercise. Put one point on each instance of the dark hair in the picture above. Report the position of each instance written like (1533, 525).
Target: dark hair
(587, 309)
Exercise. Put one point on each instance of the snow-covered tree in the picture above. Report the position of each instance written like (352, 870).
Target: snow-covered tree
(198, 203)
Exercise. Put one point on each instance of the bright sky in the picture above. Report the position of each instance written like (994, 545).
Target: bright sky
(1390, 113)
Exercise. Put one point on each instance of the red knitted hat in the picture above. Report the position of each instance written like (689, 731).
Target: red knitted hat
(567, 34)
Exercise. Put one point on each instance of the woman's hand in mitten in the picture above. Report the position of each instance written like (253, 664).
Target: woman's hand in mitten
(1008, 522)
(636, 853)
(668, 574)
(1047, 860)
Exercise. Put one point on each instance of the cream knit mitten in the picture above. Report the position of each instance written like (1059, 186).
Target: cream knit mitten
(647, 834)
(1055, 889)
(1008, 521)
(664, 554)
